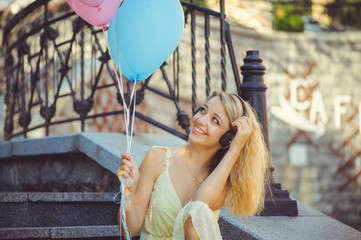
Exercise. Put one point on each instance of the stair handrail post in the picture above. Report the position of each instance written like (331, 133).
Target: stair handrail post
(253, 90)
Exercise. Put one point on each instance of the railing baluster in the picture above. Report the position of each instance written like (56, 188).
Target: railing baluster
(223, 47)
(82, 110)
(233, 60)
(194, 61)
(207, 55)
(46, 68)
(22, 95)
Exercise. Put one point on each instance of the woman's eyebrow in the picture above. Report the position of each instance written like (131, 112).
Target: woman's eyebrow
(205, 105)
(219, 117)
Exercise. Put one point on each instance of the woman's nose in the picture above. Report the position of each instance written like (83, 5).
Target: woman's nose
(201, 120)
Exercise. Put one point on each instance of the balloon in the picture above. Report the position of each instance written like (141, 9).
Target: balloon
(92, 3)
(97, 16)
(115, 53)
(147, 32)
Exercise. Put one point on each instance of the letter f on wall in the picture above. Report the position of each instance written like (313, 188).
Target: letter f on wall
(340, 109)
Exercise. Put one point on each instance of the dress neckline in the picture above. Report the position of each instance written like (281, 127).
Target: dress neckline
(169, 155)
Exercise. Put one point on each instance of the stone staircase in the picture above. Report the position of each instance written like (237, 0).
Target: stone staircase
(72, 175)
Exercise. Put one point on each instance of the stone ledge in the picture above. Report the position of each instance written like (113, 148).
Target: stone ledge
(309, 224)
(24, 233)
(84, 232)
(70, 197)
(12, 197)
(60, 232)
(104, 148)
(39, 146)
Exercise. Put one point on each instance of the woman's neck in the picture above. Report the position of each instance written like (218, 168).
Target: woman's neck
(198, 157)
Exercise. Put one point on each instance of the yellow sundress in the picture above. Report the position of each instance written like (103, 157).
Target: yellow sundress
(165, 216)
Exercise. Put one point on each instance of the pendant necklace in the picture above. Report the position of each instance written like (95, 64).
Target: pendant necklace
(194, 178)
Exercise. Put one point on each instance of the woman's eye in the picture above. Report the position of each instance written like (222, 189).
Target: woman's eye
(203, 110)
(215, 120)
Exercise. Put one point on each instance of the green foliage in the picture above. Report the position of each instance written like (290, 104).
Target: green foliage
(202, 3)
(288, 15)
(285, 20)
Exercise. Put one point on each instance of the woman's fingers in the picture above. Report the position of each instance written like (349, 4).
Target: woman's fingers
(243, 124)
(121, 173)
(127, 168)
(244, 130)
(126, 162)
(126, 156)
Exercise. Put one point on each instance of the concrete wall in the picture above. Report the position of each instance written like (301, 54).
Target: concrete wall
(309, 163)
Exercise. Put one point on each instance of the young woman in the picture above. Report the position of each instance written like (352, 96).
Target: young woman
(177, 192)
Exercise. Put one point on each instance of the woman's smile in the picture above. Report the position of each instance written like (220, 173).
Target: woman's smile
(198, 131)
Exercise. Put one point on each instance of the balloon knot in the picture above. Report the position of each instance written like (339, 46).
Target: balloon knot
(105, 27)
(99, 9)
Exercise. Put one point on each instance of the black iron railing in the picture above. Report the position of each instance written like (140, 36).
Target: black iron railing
(52, 54)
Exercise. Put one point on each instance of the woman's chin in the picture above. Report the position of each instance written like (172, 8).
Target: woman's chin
(201, 141)
(195, 139)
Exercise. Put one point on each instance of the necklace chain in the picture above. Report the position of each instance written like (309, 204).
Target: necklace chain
(194, 178)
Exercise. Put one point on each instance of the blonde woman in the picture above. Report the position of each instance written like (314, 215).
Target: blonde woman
(177, 192)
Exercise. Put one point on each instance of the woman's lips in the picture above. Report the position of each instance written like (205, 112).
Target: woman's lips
(198, 131)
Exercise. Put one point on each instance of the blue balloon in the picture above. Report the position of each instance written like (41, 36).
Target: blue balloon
(147, 33)
(115, 53)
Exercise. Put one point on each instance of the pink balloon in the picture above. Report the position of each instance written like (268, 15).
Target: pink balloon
(97, 16)
(92, 3)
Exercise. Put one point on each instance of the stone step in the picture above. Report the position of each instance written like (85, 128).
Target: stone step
(58, 215)
(45, 209)
(108, 232)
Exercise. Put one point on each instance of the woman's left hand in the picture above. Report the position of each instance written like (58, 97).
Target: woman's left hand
(244, 131)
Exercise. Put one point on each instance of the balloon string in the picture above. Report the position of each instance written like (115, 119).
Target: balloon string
(128, 126)
(129, 132)
(129, 136)
(119, 82)
(123, 206)
(132, 98)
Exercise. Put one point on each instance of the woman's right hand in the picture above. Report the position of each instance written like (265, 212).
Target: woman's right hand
(129, 170)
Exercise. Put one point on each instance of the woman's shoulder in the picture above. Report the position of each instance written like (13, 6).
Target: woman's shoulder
(160, 156)
(152, 164)
(155, 157)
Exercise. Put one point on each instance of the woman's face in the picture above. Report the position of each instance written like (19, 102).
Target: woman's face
(209, 124)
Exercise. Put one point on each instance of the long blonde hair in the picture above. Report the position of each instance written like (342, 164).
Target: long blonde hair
(248, 178)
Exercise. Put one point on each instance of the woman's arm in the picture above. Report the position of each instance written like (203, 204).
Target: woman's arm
(190, 232)
(213, 190)
(149, 170)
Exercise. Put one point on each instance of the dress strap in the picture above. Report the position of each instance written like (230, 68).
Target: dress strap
(168, 155)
